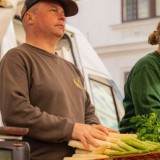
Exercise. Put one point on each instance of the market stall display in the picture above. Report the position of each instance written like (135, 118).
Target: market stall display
(117, 147)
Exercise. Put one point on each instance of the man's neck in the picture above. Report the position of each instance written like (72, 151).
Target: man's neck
(49, 47)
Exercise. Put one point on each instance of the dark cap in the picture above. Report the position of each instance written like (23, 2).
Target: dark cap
(70, 7)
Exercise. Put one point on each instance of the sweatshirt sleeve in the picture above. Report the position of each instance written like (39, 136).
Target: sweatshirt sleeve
(17, 110)
(145, 91)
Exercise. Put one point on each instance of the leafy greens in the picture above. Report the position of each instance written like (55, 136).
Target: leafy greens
(147, 126)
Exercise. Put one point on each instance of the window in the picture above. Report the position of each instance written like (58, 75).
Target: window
(158, 7)
(129, 10)
(104, 101)
(140, 9)
(64, 49)
(143, 9)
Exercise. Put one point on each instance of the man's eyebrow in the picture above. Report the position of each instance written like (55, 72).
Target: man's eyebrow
(58, 7)
(55, 5)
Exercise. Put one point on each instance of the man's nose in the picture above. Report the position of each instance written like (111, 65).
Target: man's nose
(62, 16)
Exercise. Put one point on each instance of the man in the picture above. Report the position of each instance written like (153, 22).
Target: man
(37, 88)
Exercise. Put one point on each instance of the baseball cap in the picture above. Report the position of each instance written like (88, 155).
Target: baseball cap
(70, 7)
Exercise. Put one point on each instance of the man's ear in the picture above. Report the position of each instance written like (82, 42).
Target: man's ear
(29, 17)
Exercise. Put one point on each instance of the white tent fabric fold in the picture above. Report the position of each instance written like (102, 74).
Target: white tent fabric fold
(7, 35)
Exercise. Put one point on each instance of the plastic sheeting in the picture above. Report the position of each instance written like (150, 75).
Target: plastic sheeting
(7, 34)
(9, 40)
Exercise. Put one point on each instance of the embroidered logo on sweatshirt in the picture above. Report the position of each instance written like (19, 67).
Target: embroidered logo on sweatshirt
(78, 83)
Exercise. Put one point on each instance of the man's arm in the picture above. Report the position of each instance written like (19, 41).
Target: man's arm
(92, 129)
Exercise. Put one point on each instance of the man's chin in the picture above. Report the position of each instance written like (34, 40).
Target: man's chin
(59, 35)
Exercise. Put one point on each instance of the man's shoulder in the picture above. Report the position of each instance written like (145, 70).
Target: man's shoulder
(73, 66)
(15, 53)
(70, 64)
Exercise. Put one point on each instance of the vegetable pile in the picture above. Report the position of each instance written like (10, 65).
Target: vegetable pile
(147, 127)
(115, 145)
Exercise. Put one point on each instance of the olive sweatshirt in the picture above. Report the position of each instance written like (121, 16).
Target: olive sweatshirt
(44, 93)
(142, 90)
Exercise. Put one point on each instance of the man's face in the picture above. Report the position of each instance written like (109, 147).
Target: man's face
(49, 19)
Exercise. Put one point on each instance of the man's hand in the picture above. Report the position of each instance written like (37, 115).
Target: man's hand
(104, 129)
(87, 133)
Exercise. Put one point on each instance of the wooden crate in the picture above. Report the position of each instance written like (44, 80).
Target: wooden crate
(146, 156)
